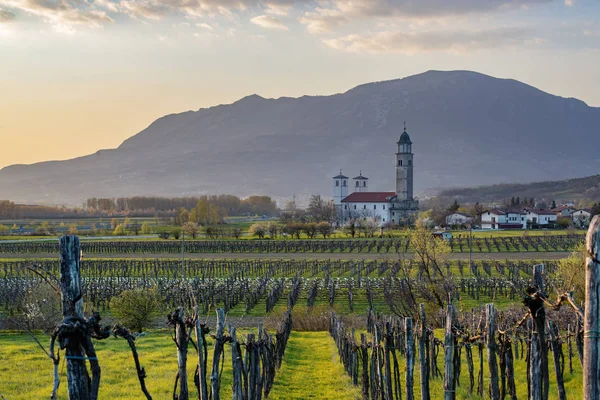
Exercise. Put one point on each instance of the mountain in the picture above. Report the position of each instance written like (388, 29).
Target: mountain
(467, 129)
(561, 191)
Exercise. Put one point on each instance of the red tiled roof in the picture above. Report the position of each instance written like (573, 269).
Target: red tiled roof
(495, 212)
(369, 197)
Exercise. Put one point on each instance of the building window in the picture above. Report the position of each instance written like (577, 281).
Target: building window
(337, 183)
(356, 183)
(365, 207)
(400, 163)
(375, 207)
(384, 206)
(355, 206)
(393, 214)
(344, 183)
(345, 206)
(365, 183)
(384, 220)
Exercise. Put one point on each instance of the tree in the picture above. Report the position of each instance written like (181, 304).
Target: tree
(73, 229)
(202, 212)
(423, 280)
(350, 227)
(3, 229)
(127, 222)
(564, 222)
(370, 226)
(146, 229)
(272, 229)
(553, 206)
(320, 209)
(454, 207)
(310, 228)
(192, 229)
(119, 230)
(176, 233)
(569, 272)
(136, 308)
(325, 229)
(258, 229)
(114, 222)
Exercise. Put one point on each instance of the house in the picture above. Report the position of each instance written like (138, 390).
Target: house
(540, 218)
(491, 219)
(564, 211)
(458, 219)
(582, 217)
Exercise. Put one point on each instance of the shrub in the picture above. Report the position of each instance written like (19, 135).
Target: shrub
(119, 230)
(146, 229)
(137, 308)
(258, 230)
(164, 235)
(176, 233)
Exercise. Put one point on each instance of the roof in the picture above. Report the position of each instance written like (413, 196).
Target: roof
(369, 197)
(495, 211)
(404, 138)
(459, 213)
(360, 177)
(587, 210)
(542, 212)
(561, 208)
(340, 176)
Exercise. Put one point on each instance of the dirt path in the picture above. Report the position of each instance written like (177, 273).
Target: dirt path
(307, 256)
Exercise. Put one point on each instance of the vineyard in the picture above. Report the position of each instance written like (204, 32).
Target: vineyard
(493, 244)
(389, 342)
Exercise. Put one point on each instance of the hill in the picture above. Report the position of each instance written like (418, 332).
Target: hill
(467, 129)
(561, 191)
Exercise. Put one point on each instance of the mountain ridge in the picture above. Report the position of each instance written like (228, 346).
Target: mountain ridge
(468, 129)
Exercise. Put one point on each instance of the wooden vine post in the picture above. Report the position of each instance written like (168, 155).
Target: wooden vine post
(78, 380)
(449, 381)
(591, 341)
(423, 364)
(490, 312)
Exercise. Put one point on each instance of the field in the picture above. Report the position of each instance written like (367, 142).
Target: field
(256, 282)
(311, 370)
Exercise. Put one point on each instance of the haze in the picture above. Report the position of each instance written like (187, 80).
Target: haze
(79, 76)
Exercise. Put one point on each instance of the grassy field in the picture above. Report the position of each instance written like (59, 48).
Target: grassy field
(310, 370)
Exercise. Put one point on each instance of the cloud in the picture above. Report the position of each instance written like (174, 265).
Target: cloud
(61, 13)
(325, 19)
(6, 15)
(269, 22)
(457, 42)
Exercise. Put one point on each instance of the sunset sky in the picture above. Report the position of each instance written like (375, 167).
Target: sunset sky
(77, 76)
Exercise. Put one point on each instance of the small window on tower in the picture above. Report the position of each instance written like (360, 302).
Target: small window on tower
(356, 183)
(344, 183)
(337, 183)
(400, 163)
(365, 183)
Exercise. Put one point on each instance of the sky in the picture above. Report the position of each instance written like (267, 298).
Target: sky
(77, 76)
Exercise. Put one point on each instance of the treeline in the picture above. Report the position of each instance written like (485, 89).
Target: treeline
(10, 210)
(232, 205)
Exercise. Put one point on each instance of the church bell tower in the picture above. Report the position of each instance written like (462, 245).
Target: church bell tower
(404, 168)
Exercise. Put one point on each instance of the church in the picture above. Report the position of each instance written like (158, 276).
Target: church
(394, 208)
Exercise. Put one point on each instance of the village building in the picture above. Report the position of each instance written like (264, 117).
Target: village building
(582, 218)
(517, 219)
(564, 211)
(396, 207)
(457, 219)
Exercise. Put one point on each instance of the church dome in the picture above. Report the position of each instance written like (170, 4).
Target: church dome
(404, 138)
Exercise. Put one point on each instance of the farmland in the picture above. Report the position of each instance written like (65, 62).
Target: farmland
(256, 282)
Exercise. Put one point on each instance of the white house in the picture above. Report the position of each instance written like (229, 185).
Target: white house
(582, 217)
(498, 219)
(540, 217)
(368, 204)
(564, 211)
(458, 219)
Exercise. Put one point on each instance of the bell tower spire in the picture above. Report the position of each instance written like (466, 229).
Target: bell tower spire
(404, 167)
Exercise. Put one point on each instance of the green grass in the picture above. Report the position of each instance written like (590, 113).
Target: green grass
(310, 370)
